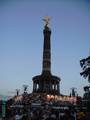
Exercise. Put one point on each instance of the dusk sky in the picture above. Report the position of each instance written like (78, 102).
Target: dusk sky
(21, 42)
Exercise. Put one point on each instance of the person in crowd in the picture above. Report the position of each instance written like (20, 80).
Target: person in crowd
(67, 115)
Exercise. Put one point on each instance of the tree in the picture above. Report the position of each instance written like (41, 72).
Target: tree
(85, 65)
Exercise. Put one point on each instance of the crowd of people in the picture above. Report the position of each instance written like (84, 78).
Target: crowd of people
(47, 112)
(41, 109)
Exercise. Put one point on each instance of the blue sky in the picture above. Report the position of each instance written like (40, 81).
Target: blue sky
(21, 42)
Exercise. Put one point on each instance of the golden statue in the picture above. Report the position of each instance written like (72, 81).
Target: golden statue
(46, 19)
